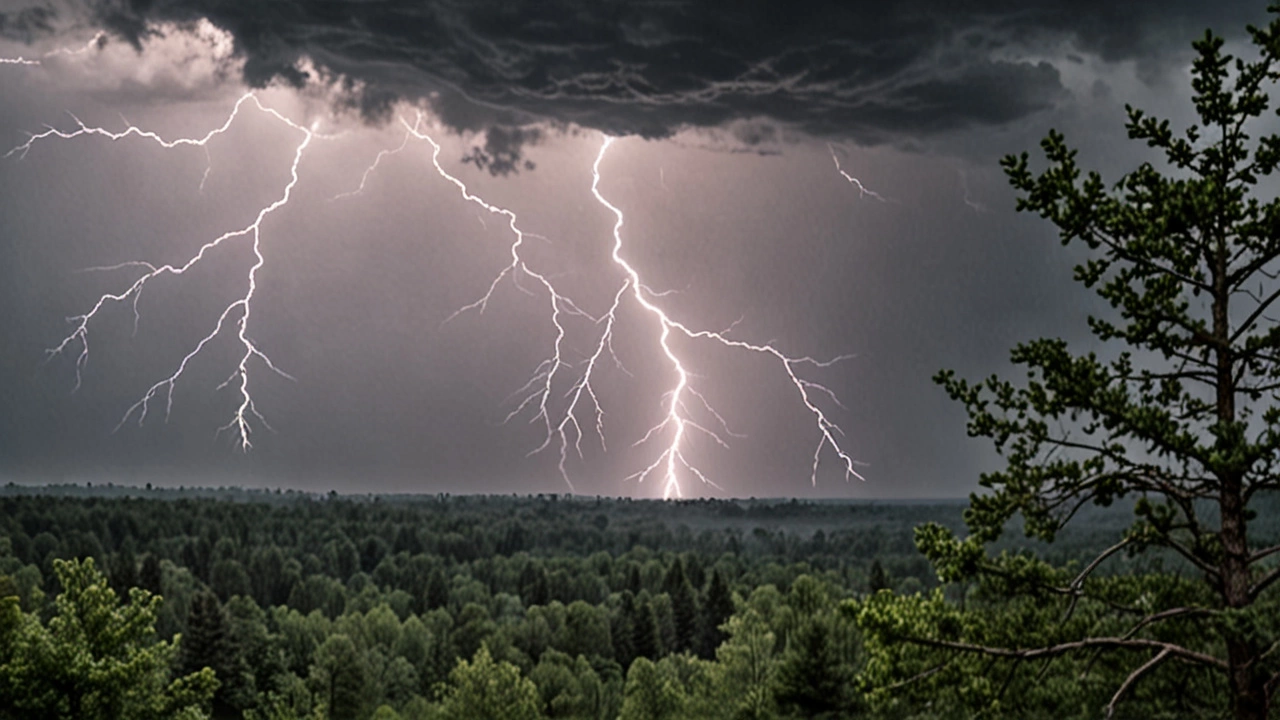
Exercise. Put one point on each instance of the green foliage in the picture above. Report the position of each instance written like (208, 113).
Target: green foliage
(644, 631)
(812, 682)
(96, 659)
(1179, 416)
(684, 608)
(347, 646)
(1066, 683)
(748, 667)
(653, 692)
(339, 677)
(208, 644)
(486, 690)
(715, 611)
(571, 688)
(279, 709)
(586, 631)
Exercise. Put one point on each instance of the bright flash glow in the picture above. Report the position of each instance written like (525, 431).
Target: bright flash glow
(238, 310)
(677, 416)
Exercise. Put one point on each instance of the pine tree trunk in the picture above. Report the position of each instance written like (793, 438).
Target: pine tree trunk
(1249, 699)
(1248, 685)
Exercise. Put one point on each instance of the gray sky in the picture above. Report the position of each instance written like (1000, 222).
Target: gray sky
(723, 170)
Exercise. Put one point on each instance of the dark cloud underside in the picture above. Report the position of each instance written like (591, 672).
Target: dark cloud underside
(866, 71)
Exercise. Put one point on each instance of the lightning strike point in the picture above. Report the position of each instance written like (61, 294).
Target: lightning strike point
(677, 419)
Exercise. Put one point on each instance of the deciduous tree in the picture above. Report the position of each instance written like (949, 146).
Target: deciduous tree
(482, 689)
(748, 667)
(96, 659)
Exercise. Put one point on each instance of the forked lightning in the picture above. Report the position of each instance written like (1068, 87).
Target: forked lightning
(565, 427)
(238, 310)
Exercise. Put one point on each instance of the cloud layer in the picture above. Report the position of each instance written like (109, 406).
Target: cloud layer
(870, 72)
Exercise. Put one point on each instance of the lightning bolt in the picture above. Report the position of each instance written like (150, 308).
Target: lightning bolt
(237, 312)
(539, 390)
(583, 411)
(96, 40)
(863, 191)
(377, 160)
(565, 418)
(677, 416)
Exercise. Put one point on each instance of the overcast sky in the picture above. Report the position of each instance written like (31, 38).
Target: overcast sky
(735, 215)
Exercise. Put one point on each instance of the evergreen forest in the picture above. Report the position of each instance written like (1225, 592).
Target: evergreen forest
(256, 604)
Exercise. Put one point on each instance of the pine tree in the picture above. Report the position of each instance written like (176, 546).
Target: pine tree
(533, 585)
(437, 590)
(623, 630)
(809, 677)
(150, 577)
(208, 644)
(124, 569)
(1173, 410)
(876, 578)
(694, 570)
(684, 607)
(717, 607)
(644, 632)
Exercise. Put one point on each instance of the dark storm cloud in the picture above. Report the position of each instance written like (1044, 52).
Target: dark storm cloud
(871, 72)
(27, 23)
